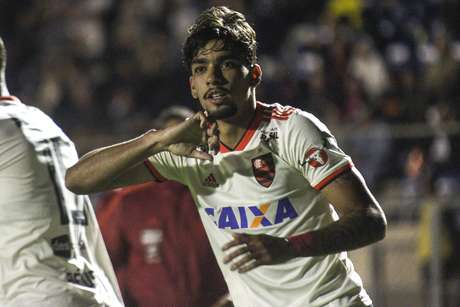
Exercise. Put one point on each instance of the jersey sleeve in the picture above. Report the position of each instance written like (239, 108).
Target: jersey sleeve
(165, 166)
(313, 151)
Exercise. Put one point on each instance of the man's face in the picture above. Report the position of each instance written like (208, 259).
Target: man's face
(220, 81)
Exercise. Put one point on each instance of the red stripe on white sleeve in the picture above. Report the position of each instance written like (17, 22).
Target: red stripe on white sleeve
(332, 176)
(10, 98)
(155, 173)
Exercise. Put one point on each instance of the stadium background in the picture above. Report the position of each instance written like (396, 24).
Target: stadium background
(383, 75)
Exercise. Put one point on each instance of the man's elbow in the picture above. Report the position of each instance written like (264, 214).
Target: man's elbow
(380, 227)
(75, 184)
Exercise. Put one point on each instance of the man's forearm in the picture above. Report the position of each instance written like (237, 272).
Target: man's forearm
(354, 230)
(99, 169)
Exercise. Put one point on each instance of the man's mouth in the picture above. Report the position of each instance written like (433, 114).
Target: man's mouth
(216, 96)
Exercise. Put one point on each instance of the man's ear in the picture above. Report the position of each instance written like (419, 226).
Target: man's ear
(255, 74)
(192, 88)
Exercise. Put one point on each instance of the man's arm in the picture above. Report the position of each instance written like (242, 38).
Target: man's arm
(121, 164)
(361, 222)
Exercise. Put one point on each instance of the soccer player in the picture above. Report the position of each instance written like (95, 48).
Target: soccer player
(280, 201)
(157, 243)
(52, 253)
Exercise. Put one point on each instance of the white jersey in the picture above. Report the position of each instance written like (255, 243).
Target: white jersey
(52, 253)
(270, 184)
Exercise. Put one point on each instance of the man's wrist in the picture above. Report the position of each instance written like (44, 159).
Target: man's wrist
(301, 244)
(155, 141)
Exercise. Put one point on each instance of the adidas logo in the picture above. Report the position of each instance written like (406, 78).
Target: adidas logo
(210, 181)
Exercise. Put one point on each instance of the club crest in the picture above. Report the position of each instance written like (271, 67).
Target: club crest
(315, 157)
(264, 169)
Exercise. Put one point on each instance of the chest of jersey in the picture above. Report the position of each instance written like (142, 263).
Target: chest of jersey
(270, 183)
(253, 190)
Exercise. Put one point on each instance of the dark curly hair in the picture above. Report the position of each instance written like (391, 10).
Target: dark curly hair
(227, 25)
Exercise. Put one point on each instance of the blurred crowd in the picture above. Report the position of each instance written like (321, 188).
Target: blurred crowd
(367, 68)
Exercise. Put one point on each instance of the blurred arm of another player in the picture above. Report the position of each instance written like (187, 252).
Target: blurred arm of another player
(361, 223)
(122, 164)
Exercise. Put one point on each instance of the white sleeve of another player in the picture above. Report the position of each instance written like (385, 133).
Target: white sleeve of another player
(312, 150)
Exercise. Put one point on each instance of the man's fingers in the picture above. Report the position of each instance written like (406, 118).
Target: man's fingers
(204, 138)
(195, 132)
(214, 144)
(240, 251)
(243, 237)
(248, 262)
(237, 240)
(251, 251)
(246, 259)
(203, 120)
(202, 155)
(252, 265)
(209, 132)
(212, 134)
(212, 129)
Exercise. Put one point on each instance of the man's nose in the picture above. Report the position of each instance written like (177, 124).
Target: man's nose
(214, 75)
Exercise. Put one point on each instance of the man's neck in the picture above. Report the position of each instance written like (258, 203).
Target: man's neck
(3, 89)
(231, 130)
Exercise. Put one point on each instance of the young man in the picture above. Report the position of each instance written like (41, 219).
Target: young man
(52, 253)
(268, 187)
(157, 243)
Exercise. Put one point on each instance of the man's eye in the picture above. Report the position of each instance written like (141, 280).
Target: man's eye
(199, 69)
(229, 64)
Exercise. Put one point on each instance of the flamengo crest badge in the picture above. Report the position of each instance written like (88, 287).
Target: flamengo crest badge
(264, 169)
(315, 157)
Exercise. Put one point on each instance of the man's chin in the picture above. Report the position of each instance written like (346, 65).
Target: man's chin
(222, 112)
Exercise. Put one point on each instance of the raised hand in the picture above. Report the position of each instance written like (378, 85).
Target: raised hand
(193, 137)
(255, 250)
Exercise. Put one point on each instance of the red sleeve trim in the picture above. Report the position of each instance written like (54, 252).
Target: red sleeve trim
(155, 173)
(332, 176)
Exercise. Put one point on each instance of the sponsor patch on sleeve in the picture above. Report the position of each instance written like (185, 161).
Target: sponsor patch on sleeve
(315, 157)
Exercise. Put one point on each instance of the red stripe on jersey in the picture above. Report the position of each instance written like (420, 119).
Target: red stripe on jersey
(155, 173)
(332, 176)
(282, 113)
(10, 98)
(223, 148)
(280, 117)
(283, 110)
(276, 112)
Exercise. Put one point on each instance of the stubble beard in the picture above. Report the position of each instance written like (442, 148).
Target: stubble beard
(223, 111)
